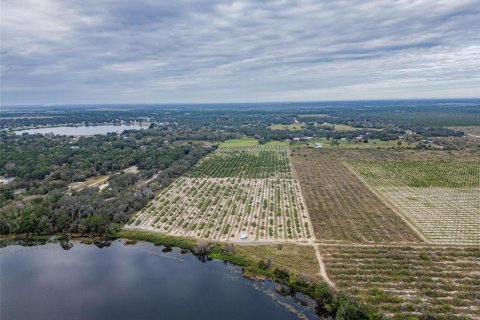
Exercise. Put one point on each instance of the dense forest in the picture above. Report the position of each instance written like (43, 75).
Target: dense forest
(38, 200)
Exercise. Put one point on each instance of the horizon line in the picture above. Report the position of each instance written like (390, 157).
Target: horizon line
(232, 103)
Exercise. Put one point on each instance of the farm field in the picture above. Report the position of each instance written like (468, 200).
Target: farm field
(405, 281)
(342, 208)
(441, 198)
(232, 192)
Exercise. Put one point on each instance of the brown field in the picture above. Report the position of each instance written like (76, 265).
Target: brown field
(409, 281)
(340, 205)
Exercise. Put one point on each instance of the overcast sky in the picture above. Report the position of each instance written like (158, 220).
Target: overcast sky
(95, 51)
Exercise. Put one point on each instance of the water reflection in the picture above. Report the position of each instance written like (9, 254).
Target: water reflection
(138, 281)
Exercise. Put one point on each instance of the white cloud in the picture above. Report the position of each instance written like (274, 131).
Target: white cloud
(201, 50)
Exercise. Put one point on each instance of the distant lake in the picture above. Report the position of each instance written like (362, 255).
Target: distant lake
(82, 130)
(138, 281)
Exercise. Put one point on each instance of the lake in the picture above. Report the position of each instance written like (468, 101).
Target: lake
(82, 130)
(138, 281)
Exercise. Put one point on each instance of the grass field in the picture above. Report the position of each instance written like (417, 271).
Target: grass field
(290, 127)
(297, 259)
(442, 198)
(243, 142)
(341, 206)
(234, 191)
(344, 128)
(403, 281)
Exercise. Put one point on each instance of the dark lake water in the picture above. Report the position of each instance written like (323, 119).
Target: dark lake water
(132, 282)
(83, 130)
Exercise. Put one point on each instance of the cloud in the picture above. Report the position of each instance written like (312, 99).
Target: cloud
(94, 51)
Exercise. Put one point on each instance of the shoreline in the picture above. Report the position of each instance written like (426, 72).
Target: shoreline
(328, 300)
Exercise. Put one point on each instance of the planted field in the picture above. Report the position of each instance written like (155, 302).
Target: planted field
(447, 174)
(245, 162)
(409, 281)
(341, 206)
(442, 199)
(234, 191)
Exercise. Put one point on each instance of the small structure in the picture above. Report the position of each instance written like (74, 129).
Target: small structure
(427, 141)
(243, 236)
(318, 146)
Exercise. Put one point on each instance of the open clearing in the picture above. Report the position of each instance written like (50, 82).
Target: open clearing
(341, 206)
(232, 192)
(345, 144)
(99, 181)
(295, 258)
(409, 280)
(344, 128)
(441, 198)
(290, 127)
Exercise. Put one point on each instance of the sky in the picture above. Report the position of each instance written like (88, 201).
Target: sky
(149, 51)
